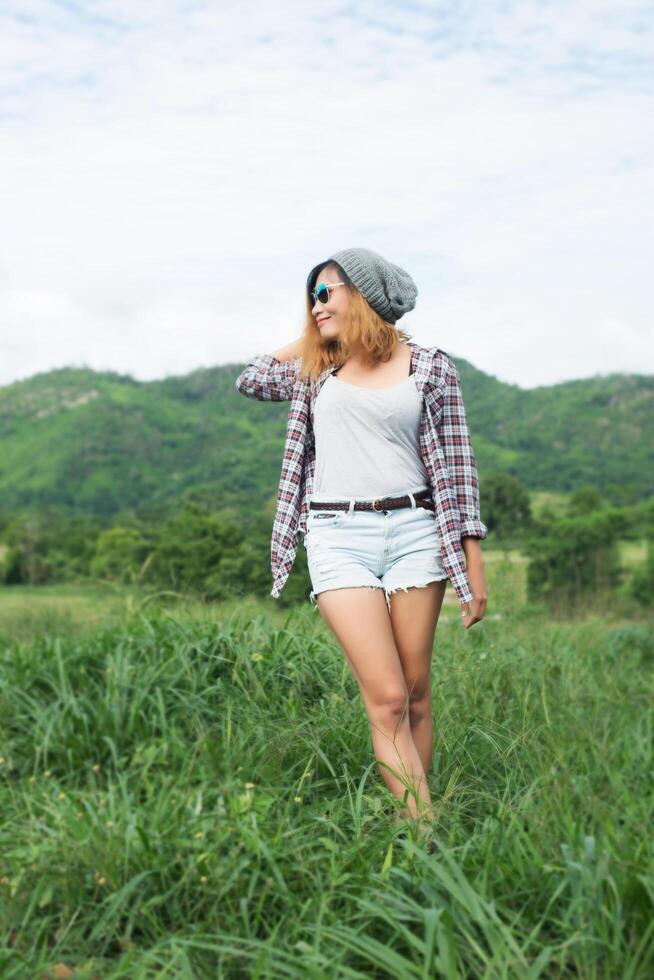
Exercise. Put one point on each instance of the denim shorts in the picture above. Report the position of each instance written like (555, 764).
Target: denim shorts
(388, 549)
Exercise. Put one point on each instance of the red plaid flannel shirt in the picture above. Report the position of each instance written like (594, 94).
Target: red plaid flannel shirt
(445, 448)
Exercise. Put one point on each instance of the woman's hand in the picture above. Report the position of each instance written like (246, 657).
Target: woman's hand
(477, 582)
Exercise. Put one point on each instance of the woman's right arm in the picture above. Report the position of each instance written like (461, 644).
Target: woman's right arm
(271, 377)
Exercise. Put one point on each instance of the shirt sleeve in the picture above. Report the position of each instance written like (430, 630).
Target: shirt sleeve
(268, 379)
(455, 440)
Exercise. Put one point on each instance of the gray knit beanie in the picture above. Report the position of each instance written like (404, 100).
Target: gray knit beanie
(389, 289)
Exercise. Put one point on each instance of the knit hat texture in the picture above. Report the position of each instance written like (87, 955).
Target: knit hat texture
(389, 289)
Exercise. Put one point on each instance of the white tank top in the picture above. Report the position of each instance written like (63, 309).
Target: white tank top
(367, 440)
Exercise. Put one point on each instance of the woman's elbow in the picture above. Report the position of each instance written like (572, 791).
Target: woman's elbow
(247, 386)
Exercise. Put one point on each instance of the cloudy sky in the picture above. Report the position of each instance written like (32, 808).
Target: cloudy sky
(169, 173)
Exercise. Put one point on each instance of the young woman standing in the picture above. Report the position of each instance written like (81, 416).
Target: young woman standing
(380, 476)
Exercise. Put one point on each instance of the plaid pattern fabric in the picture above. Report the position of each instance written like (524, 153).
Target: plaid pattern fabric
(445, 448)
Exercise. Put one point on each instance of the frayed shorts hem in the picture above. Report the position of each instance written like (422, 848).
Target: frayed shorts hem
(387, 592)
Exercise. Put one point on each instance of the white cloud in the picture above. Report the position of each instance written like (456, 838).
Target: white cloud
(170, 173)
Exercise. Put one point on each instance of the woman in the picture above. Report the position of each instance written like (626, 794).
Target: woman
(380, 477)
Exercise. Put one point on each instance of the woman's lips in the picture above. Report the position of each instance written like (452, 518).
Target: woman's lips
(324, 320)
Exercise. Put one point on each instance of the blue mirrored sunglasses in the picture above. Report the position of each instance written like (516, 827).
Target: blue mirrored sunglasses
(321, 292)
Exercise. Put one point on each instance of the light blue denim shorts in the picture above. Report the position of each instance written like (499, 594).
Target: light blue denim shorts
(389, 550)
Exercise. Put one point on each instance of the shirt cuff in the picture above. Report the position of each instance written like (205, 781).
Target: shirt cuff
(474, 528)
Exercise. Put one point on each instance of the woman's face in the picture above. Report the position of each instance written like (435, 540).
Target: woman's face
(330, 316)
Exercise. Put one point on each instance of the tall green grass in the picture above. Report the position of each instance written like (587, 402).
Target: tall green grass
(197, 797)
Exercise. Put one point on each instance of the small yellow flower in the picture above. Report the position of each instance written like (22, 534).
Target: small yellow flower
(204, 879)
(32, 779)
(2, 759)
(257, 656)
(298, 799)
(199, 835)
(47, 772)
(109, 824)
(102, 881)
(62, 796)
(250, 785)
(96, 768)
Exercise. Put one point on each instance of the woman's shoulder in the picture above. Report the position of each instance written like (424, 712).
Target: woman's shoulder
(438, 361)
(433, 351)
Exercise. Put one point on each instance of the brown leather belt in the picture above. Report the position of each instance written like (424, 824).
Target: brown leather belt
(423, 499)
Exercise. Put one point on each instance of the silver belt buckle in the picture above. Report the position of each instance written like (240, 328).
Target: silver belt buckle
(374, 505)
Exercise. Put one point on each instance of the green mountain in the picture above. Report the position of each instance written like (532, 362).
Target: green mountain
(103, 443)
(597, 431)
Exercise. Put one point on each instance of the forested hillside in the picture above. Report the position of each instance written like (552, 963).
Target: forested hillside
(102, 442)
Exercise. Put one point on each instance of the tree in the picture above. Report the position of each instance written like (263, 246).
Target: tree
(641, 586)
(119, 555)
(506, 506)
(572, 559)
(584, 500)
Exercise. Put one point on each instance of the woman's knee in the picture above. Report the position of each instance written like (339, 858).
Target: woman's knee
(391, 707)
(419, 705)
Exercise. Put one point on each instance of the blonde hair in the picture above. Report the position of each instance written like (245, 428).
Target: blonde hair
(364, 328)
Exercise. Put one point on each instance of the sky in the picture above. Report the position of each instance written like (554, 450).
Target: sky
(171, 171)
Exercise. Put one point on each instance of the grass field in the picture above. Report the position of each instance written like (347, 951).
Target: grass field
(27, 612)
(190, 791)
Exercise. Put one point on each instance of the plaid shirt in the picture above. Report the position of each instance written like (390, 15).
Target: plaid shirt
(445, 448)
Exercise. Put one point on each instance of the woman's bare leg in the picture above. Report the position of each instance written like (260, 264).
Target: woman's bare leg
(358, 618)
(414, 616)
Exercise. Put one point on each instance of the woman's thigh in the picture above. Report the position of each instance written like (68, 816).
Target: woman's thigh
(414, 616)
(359, 620)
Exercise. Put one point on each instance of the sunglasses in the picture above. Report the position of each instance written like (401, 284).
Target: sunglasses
(321, 292)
